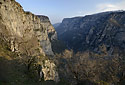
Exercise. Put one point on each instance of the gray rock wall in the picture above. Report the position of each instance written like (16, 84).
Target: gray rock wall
(25, 27)
(27, 35)
(91, 31)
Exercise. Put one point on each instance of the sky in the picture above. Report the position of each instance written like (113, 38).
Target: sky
(56, 10)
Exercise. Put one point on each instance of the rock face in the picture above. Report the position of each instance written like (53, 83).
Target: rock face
(49, 70)
(91, 31)
(25, 26)
(52, 35)
(50, 29)
(99, 44)
(25, 33)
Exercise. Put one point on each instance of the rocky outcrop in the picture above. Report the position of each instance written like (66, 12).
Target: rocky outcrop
(26, 34)
(25, 26)
(52, 35)
(91, 31)
(49, 69)
(50, 29)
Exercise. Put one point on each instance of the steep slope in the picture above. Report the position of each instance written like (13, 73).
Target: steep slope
(50, 29)
(91, 31)
(98, 42)
(56, 25)
(24, 26)
(28, 38)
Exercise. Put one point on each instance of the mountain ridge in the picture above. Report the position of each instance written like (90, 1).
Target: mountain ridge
(76, 27)
(97, 48)
(31, 54)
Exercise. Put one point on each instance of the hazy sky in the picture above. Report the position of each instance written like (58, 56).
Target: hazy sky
(56, 10)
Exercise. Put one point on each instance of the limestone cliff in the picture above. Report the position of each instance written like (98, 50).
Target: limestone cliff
(25, 33)
(24, 27)
(91, 31)
(50, 29)
(99, 44)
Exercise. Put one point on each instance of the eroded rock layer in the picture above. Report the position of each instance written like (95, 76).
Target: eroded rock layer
(91, 31)
(27, 35)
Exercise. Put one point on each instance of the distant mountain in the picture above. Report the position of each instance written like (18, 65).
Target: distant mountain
(31, 54)
(97, 43)
(56, 25)
(92, 31)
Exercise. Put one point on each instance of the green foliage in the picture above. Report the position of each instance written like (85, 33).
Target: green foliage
(13, 71)
(5, 50)
(103, 83)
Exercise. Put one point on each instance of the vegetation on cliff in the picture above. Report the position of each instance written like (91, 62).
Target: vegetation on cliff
(31, 54)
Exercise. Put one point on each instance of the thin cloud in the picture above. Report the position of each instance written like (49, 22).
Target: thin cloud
(110, 7)
(102, 7)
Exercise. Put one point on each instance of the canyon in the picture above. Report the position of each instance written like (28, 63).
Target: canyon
(85, 50)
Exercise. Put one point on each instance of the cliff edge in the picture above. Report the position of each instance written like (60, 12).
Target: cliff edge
(26, 35)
